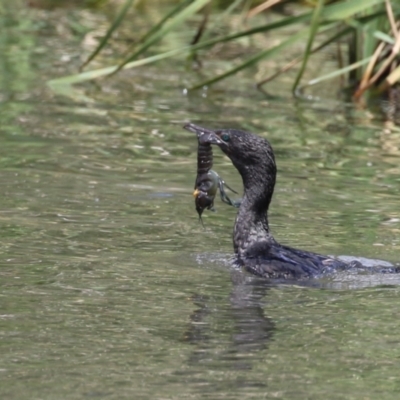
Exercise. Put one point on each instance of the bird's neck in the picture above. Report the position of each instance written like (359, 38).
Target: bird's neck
(251, 226)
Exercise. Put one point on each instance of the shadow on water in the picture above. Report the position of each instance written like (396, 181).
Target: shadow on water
(243, 324)
(252, 329)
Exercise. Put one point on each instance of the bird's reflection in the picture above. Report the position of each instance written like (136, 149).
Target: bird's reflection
(233, 331)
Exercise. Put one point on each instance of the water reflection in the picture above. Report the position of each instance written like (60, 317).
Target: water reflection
(241, 326)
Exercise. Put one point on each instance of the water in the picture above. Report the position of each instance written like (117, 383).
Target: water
(110, 288)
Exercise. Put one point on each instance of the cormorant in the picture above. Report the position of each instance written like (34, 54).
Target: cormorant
(256, 249)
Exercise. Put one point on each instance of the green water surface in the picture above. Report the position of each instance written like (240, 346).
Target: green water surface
(109, 286)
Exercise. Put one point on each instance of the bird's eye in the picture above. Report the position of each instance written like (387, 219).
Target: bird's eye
(225, 137)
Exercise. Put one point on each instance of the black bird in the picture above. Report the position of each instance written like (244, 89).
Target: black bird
(256, 249)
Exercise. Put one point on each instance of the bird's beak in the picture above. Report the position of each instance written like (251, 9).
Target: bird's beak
(205, 136)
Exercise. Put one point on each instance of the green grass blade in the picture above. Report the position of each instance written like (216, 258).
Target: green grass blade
(159, 24)
(260, 29)
(365, 27)
(165, 28)
(384, 37)
(262, 55)
(284, 22)
(313, 31)
(339, 72)
(97, 73)
(110, 31)
(224, 14)
(333, 38)
(348, 8)
(151, 31)
(231, 7)
(322, 45)
(253, 60)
